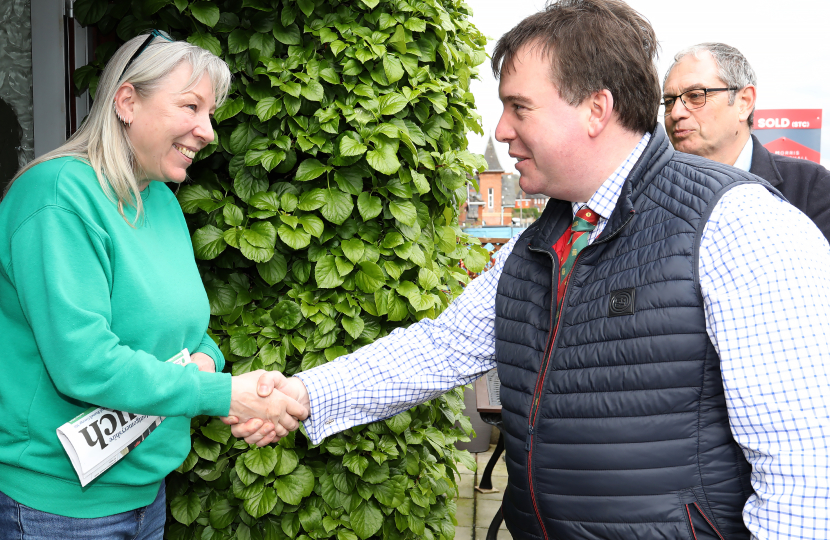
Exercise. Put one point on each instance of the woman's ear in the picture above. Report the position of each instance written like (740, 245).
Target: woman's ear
(125, 102)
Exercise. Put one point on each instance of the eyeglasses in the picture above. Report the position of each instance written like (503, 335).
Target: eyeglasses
(692, 99)
(150, 37)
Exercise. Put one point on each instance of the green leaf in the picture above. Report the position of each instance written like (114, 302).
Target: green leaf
(222, 514)
(261, 460)
(351, 146)
(217, 431)
(427, 279)
(313, 91)
(400, 422)
(293, 487)
(312, 200)
(306, 6)
(392, 103)
(267, 108)
(353, 325)
(312, 224)
(205, 12)
(375, 474)
(383, 159)
(238, 41)
(310, 516)
(370, 277)
(186, 508)
(261, 503)
(326, 274)
(206, 41)
(287, 314)
(287, 461)
(89, 12)
(229, 109)
(263, 43)
(338, 207)
(355, 463)
(392, 492)
(476, 258)
(404, 211)
(369, 206)
(232, 214)
(310, 169)
(294, 238)
(353, 249)
(274, 270)
(393, 69)
(367, 518)
(289, 35)
(243, 345)
(208, 242)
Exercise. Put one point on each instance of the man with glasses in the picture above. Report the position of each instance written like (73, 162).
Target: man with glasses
(709, 102)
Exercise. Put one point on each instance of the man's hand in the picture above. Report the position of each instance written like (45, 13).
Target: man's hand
(259, 432)
(276, 414)
(204, 362)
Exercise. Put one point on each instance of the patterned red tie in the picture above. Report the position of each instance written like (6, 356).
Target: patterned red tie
(570, 244)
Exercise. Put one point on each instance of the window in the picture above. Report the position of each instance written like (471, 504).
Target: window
(490, 198)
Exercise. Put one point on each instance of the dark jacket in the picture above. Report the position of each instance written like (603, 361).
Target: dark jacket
(615, 420)
(805, 184)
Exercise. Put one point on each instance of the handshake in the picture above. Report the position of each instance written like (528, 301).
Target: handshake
(266, 406)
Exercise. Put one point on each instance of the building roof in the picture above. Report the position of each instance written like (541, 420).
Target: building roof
(493, 164)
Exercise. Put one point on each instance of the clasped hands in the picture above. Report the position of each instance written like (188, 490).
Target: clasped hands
(266, 406)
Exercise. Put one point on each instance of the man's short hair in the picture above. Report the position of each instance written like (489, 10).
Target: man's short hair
(733, 68)
(593, 45)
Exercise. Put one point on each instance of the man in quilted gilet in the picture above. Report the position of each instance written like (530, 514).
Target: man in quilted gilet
(660, 332)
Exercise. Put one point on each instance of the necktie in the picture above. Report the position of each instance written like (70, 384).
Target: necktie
(570, 244)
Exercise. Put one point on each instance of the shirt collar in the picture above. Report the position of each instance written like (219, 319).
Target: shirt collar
(604, 200)
(744, 161)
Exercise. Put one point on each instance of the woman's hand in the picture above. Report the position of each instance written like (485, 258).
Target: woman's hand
(204, 362)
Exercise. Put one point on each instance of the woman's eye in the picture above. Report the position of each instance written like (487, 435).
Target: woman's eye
(192, 107)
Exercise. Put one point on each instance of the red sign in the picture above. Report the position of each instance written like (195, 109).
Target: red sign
(788, 119)
(794, 133)
(790, 148)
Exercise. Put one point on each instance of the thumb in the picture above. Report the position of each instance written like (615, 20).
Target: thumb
(268, 381)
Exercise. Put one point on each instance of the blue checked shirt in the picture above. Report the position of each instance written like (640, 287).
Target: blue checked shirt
(765, 278)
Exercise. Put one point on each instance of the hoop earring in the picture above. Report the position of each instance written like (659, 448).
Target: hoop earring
(120, 118)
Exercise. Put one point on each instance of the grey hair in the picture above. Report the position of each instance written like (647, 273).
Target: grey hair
(102, 139)
(733, 68)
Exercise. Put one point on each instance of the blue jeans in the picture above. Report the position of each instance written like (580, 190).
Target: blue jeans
(19, 522)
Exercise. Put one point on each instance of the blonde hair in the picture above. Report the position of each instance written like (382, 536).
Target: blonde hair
(102, 139)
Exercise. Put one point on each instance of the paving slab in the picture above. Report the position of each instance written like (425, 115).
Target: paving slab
(481, 534)
(464, 533)
(499, 483)
(465, 512)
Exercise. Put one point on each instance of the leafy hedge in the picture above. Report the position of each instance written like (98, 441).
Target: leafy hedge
(324, 216)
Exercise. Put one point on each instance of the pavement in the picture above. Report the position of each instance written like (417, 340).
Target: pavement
(476, 510)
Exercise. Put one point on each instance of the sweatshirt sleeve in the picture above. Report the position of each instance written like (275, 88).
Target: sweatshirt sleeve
(60, 269)
(208, 346)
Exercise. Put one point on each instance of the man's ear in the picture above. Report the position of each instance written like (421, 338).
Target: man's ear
(125, 102)
(745, 101)
(600, 107)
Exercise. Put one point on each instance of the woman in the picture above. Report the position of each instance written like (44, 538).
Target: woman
(98, 286)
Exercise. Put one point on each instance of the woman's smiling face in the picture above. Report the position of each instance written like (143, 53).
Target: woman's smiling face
(170, 126)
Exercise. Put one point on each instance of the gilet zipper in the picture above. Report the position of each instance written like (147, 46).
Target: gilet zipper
(537, 392)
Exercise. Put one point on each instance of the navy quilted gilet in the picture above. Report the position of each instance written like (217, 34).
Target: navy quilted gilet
(630, 433)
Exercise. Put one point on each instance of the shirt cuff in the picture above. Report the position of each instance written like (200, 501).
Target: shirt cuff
(208, 347)
(329, 400)
(214, 394)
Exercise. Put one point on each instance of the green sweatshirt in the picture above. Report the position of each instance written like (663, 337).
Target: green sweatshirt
(90, 308)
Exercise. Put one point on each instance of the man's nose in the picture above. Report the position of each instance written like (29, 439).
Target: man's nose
(679, 111)
(504, 131)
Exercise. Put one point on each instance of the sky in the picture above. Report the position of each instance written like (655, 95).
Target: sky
(785, 42)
